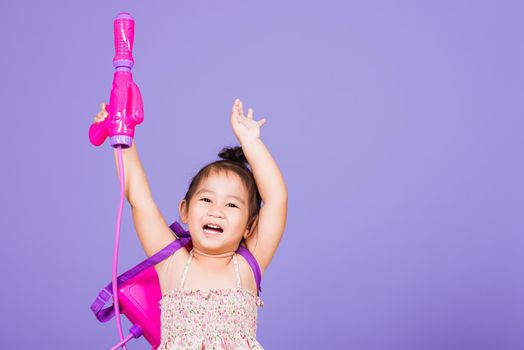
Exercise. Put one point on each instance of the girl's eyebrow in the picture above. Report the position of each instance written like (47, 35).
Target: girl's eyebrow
(230, 195)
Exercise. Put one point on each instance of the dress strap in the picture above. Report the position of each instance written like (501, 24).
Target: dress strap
(186, 267)
(167, 264)
(235, 262)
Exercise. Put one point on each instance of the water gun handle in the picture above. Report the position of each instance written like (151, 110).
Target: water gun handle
(98, 132)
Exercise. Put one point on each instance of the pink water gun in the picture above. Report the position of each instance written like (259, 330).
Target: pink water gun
(125, 109)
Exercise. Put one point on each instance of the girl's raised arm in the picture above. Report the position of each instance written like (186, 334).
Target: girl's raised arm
(153, 232)
(265, 238)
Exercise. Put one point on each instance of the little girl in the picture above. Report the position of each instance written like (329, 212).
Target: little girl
(209, 295)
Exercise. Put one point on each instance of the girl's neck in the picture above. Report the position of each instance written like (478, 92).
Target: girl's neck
(223, 255)
(213, 261)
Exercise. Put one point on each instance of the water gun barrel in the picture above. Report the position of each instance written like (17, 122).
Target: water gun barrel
(125, 108)
(124, 27)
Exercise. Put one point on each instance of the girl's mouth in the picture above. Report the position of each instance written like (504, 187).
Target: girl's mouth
(212, 229)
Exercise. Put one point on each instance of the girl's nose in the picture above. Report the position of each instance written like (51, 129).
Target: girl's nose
(216, 213)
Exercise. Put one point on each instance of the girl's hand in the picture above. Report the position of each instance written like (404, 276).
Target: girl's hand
(245, 128)
(102, 114)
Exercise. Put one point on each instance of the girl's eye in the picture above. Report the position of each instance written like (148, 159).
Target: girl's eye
(205, 199)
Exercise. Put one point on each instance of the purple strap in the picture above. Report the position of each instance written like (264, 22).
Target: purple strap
(253, 263)
(104, 315)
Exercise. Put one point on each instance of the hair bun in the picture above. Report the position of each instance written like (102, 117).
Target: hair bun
(235, 154)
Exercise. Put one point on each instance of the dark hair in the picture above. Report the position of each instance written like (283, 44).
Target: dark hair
(234, 160)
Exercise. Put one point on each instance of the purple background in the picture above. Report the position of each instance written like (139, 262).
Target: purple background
(397, 126)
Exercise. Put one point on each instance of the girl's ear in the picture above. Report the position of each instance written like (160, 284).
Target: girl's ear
(182, 211)
(251, 226)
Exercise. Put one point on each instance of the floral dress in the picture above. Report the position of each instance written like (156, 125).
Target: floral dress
(214, 319)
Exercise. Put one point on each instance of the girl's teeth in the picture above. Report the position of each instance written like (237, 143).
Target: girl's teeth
(211, 232)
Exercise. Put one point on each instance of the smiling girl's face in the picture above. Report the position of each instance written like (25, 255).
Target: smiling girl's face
(220, 200)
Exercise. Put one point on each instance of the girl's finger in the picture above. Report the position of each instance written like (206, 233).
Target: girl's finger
(239, 108)
(261, 122)
(233, 119)
(250, 113)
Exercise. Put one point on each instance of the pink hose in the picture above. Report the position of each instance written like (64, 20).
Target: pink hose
(122, 342)
(115, 251)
